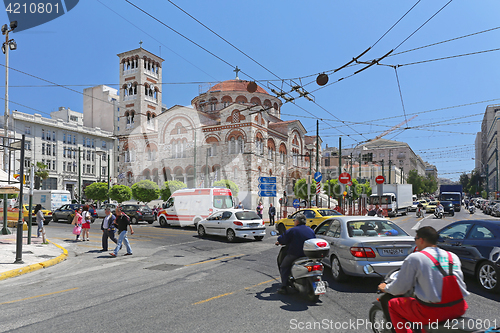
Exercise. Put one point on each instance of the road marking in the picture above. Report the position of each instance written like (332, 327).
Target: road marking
(32, 297)
(211, 260)
(233, 292)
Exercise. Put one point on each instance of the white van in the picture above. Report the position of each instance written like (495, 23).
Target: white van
(50, 199)
(189, 206)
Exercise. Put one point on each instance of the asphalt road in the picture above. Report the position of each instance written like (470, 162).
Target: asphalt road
(177, 282)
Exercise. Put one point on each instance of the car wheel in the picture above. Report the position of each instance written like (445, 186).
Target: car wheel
(46, 223)
(281, 229)
(54, 218)
(230, 235)
(313, 227)
(134, 220)
(163, 222)
(337, 271)
(487, 276)
(259, 238)
(201, 231)
(151, 222)
(69, 218)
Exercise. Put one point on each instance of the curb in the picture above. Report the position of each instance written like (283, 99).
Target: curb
(35, 267)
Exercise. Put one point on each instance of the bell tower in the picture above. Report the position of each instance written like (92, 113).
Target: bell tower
(140, 91)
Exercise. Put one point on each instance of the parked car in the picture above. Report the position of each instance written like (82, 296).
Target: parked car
(477, 244)
(495, 211)
(101, 211)
(413, 207)
(67, 212)
(233, 223)
(138, 213)
(314, 217)
(47, 213)
(356, 241)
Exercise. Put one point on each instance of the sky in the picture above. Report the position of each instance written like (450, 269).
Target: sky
(282, 43)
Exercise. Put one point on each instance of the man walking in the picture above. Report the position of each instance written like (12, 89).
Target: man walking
(108, 229)
(122, 222)
(272, 213)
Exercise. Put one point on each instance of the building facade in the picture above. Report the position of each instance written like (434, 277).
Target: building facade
(57, 143)
(487, 143)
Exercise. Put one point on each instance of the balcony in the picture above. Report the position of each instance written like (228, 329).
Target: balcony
(151, 99)
(150, 73)
(130, 97)
(129, 71)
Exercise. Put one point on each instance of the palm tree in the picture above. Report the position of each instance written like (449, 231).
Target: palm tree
(40, 174)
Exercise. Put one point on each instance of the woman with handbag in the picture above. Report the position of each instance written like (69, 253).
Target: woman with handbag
(87, 219)
(77, 221)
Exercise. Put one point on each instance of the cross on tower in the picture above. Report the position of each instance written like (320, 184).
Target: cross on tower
(237, 70)
(140, 44)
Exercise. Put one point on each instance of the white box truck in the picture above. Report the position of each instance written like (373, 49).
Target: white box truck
(50, 199)
(395, 198)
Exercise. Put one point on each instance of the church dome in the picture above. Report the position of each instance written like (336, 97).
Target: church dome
(235, 85)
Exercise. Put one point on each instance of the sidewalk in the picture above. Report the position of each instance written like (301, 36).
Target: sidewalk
(35, 256)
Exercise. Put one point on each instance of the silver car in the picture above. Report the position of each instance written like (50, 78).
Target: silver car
(356, 241)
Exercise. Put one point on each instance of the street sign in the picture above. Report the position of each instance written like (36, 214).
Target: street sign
(267, 193)
(380, 179)
(344, 178)
(350, 183)
(267, 187)
(318, 177)
(296, 203)
(268, 180)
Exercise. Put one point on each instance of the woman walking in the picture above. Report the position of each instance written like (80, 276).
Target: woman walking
(39, 221)
(78, 221)
(86, 223)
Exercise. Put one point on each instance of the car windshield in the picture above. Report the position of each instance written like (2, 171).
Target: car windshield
(249, 215)
(328, 212)
(223, 201)
(372, 228)
(144, 208)
(385, 199)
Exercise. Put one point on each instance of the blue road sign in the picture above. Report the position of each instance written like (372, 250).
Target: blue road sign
(267, 187)
(318, 177)
(267, 193)
(267, 180)
(296, 203)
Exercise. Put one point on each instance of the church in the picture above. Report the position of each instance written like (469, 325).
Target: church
(231, 131)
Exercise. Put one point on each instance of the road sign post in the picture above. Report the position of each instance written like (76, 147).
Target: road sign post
(267, 186)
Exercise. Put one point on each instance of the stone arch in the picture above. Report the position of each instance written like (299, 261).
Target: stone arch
(167, 174)
(236, 134)
(255, 101)
(147, 174)
(165, 135)
(271, 145)
(226, 101)
(241, 99)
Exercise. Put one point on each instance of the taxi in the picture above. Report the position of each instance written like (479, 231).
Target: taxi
(47, 213)
(314, 217)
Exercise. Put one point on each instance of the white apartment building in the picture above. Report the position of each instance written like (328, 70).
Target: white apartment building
(487, 142)
(58, 141)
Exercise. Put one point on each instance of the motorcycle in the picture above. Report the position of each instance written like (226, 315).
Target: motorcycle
(472, 209)
(439, 214)
(420, 212)
(380, 324)
(306, 274)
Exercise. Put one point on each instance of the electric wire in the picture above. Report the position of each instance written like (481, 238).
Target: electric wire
(450, 57)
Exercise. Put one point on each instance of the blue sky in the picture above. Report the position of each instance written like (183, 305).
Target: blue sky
(291, 39)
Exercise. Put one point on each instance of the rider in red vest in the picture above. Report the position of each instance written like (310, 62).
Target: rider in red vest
(439, 285)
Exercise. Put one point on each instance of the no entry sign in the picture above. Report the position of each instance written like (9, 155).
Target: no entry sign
(380, 180)
(344, 178)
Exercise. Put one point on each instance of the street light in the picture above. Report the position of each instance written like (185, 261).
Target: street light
(12, 45)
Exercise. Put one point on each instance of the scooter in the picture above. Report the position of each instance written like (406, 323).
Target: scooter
(472, 209)
(380, 324)
(307, 272)
(420, 212)
(439, 214)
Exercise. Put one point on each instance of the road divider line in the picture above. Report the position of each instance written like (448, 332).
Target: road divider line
(43, 295)
(232, 292)
(211, 260)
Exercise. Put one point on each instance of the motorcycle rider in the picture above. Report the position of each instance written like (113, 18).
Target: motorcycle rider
(439, 208)
(294, 238)
(420, 208)
(439, 295)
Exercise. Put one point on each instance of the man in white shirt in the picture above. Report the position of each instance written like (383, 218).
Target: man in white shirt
(108, 230)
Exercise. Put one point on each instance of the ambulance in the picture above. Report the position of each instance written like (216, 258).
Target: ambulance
(187, 207)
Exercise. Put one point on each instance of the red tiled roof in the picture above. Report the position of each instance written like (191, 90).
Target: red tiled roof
(235, 85)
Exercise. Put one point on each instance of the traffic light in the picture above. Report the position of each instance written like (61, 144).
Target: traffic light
(37, 182)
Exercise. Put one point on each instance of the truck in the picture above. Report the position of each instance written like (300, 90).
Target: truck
(453, 193)
(50, 199)
(395, 198)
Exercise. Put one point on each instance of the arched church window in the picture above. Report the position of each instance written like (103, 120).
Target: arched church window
(241, 145)
(232, 146)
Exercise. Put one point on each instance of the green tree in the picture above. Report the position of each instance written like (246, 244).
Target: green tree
(120, 193)
(228, 184)
(464, 181)
(97, 191)
(333, 188)
(416, 180)
(145, 191)
(475, 183)
(300, 189)
(170, 187)
(41, 173)
(430, 184)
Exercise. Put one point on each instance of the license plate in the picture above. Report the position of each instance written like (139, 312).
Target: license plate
(252, 225)
(392, 252)
(319, 287)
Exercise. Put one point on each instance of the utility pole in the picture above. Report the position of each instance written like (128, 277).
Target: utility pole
(383, 173)
(109, 173)
(195, 157)
(206, 170)
(79, 176)
(317, 154)
(390, 167)
(30, 205)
